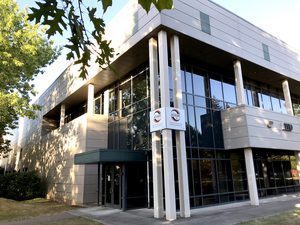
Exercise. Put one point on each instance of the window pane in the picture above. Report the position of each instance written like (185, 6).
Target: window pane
(170, 78)
(282, 104)
(97, 106)
(216, 87)
(225, 177)
(140, 130)
(126, 93)
(188, 75)
(182, 79)
(229, 90)
(200, 101)
(192, 126)
(266, 100)
(296, 107)
(139, 87)
(199, 79)
(256, 97)
(199, 113)
(276, 104)
(197, 184)
(208, 175)
(239, 175)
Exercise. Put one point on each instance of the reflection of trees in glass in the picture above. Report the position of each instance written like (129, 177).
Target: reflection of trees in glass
(296, 109)
(126, 93)
(218, 105)
(140, 127)
(139, 87)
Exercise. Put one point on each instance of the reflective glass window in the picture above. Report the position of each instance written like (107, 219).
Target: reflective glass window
(225, 176)
(208, 176)
(296, 107)
(139, 87)
(182, 79)
(229, 90)
(282, 104)
(197, 184)
(275, 102)
(266, 100)
(215, 87)
(239, 175)
(199, 113)
(188, 76)
(170, 78)
(199, 79)
(192, 126)
(140, 130)
(126, 93)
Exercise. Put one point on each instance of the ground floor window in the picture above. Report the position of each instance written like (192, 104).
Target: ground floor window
(276, 172)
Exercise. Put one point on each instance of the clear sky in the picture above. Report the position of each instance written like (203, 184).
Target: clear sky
(277, 17)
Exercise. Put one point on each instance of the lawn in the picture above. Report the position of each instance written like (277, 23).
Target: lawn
(291, 217)
(11, 210)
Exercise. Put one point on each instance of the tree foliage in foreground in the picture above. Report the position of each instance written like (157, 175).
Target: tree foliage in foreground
(61, 15)
(24, 51)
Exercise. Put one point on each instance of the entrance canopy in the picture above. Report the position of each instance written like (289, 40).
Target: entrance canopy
(110, 155)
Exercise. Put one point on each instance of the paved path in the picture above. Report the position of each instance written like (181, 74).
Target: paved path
(217, 215)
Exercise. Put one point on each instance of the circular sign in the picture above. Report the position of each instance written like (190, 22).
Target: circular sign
(157, 116)
(175, 115)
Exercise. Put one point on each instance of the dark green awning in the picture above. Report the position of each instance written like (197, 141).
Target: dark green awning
(110, 155)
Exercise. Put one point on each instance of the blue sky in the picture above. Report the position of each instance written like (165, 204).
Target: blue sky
(277, 17)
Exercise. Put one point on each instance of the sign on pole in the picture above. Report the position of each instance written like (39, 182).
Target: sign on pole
(167, 118)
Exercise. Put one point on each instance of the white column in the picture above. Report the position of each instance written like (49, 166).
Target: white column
(251, 176)
(156, 137)
(287, 97)
(183, 183)
(106, 103)
(62, 114)
(297, 157)
(239, 82)
(167, 134)
(90, 101)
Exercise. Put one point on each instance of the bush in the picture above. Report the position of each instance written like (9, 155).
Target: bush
(20, 186)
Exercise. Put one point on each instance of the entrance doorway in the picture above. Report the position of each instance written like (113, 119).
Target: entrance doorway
(113, 186)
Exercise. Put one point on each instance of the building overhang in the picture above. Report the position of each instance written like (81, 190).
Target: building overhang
(110, 155)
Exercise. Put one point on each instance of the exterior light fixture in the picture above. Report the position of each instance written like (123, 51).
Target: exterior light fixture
(270, 124)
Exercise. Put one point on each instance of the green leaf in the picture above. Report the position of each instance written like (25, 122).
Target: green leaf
(106, 4)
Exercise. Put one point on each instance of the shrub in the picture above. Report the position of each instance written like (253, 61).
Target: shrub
(20, 186)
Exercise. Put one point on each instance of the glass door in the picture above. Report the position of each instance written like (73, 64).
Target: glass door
(113, 186)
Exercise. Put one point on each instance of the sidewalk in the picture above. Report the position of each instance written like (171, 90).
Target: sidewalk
(218, 215)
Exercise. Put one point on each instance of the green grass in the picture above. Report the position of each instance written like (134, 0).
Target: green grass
(291, 217)
(11, 210)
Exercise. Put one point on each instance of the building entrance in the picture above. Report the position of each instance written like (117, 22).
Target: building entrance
(113, 187)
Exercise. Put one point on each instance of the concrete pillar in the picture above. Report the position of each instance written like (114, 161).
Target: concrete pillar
(156, 137)
(251, 176)
(167, 134)
(239, 82)
(184, 199)
(90, 101)
(287, 97)
(297, 157)
(62, 114)
(106, 103)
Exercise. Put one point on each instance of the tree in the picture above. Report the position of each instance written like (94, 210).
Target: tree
(63, 14)
(24, 51)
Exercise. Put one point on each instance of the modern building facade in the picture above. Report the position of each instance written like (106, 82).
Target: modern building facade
(237, 84)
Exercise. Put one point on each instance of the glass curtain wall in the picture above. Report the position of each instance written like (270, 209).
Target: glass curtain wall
(276, 172)
(263, 96)
(215, 176)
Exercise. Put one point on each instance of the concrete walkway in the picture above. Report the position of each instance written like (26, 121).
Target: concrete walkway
(216, 215)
